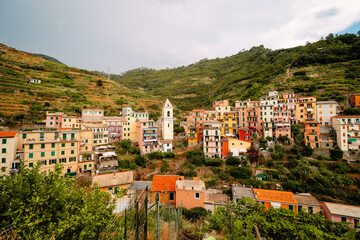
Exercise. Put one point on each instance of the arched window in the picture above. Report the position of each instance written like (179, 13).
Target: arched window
(168, 113)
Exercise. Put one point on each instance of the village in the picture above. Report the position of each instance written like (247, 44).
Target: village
(86, 146)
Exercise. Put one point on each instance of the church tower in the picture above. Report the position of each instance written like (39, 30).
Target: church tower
(167, 120)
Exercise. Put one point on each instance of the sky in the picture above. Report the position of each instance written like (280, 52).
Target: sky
(123, 35)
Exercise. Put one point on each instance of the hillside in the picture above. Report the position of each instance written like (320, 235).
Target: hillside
(48, 57)
(62, 88)
(331, 68)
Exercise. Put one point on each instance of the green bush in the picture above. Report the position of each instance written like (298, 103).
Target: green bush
(232, 161)
(140, 161)
(336, 154)
(195, 213)
(214, 162)
(196, 157)
(240, 172)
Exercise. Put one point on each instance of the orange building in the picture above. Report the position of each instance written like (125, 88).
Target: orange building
(355, 100)
(224, 147)
(190, 193)
(276, 199)
(164, 187)
(312, 134)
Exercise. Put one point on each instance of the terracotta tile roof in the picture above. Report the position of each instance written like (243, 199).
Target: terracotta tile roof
(8, 134)
(275, 196)
(164, 183)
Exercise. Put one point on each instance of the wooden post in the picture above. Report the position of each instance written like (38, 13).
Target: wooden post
(136, 221)
(146, 213)
(125, 230)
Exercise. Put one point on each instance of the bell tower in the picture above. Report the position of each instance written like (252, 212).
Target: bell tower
(167, 121)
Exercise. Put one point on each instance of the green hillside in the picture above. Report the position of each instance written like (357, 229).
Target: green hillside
(328, 69)
(48, 57)
(62, 88)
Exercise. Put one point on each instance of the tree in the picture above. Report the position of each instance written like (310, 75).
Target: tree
(99, 83)
(140, 161)
(254, 155)
(307, 151)
(336, 154)
(240, 172)
(49, 207)
(179, 130)
(232, 161)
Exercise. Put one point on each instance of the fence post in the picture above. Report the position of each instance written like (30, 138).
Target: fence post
(146, 214)
(125, 230)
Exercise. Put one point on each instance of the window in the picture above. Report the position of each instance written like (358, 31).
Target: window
(62, 152)
(64, 136)
(31, 155)
(63, 145)
(291, 207)
(311, 210)
(356, 223)
(52, 153)
(72, 144)
(24, 136)
(43, 145)
(171, 196)
(63, 160)
(4, 141)
(3, 160)
(31, 164)
(300, 207)
(197, 195)
(53, 145)
(42, 154)
(72, 151)
(343, 219)
(3, 150)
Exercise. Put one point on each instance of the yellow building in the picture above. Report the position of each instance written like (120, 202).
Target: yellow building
(86, 163)
(49, 148)
(306, 109)
(238, 147)
(192, 136)
(129, 128)
(113, 182)
(71, 122)
(8, 144)
(100, 132)
(229, 124)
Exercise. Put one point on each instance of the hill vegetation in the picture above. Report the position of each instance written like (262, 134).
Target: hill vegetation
(327, 69)
(62, 88)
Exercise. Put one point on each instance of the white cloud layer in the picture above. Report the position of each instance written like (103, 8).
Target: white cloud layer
(95, 34)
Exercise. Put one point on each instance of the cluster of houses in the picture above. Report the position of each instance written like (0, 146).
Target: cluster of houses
(179, 192)
(225, 129)
(83, 144)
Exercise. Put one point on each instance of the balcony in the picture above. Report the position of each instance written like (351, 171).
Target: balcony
(150, 129)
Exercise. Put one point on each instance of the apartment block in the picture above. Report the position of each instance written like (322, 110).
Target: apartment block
(281, 118)
(130, 128)
(115, 128)
(54, 120)
(8, 145)
(100, 132)
(347, 130)
(92, 115)
(355, 100)
(127, 111)
(325, 111)
(229, 124)
(312, 134)
(212, 142)
(147, 136)
(69, 121)
(306, 109)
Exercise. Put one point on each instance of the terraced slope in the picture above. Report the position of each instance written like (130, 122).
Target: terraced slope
(61, 88)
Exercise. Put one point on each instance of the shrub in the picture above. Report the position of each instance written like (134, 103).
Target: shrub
(300, 73)
(277, 155)
(307, 151)
(164, 166)
(140, 161)
(215, 162)
(241, 172)
(179, 129)
(336, 154)
(196, 157)
(195, 213)
(232, 161)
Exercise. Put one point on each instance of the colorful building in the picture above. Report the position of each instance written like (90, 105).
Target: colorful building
(312, 134)
(115, 128)
(306, 109)
(276, 199)
(54, 120)
(325, 111)
(347, 130)
(342, 213)
(92, 115)
(244, 134)
(8, 145)
(100, 132)
(113, 182)
(147, 136)
(164, 188)
(238, 147)
(212, 142)
(229, 124)
(190, 193)
(355, 100)
(224, 147)
(308, 203)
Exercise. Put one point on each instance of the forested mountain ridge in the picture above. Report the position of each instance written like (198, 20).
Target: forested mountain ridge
(327, 69)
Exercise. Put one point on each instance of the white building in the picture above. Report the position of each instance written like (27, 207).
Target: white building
(35, 80)
(347, 130)
(325, 111)
(212, 142)
(127, 111)
(273, 93)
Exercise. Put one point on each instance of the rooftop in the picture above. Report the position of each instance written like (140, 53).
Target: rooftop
(164, 183)
(140, 185)
(113, 179)
(190, 185)
(275, 196)
(343, 210)
(239, 192)
(307, 200)
(8, 134)
(216, 198)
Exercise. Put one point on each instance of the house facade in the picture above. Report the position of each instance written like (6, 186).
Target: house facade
(8, 144)
(190, 193)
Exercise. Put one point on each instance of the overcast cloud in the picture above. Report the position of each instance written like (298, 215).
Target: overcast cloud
(95, 34)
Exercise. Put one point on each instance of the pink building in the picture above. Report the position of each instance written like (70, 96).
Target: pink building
(115, 128)
(54, 120)
(281, 119)
(223, 103)
(147, 137)
(190, 193)
(291, 100)
(92, 115)
(342, 213)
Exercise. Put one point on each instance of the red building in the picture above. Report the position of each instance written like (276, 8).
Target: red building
(244, 134)
(224, 147)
